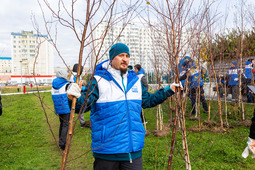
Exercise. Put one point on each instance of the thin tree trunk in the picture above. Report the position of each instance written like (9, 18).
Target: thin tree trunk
(70, 126)
(210, 93)
(144, 123)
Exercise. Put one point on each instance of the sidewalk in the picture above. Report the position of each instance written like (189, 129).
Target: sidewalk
(18, 93)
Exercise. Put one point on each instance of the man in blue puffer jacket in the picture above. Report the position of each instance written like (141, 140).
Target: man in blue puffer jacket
(115, 100)
(249, 77)
(232, 80)
(60, 100)
(194, 81)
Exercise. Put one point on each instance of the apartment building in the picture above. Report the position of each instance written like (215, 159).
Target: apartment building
(5, 69)
(144, 49)
(32, 54)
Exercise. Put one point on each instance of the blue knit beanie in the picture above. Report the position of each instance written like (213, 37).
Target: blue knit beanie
(117, 49)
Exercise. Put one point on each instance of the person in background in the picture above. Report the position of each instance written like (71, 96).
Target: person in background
(232, 81)
(115, 100)
(249, 77)
(221, 84)
(182, 69)
(130, 67)
(73, 80)
(60, 100)
(141, 74)
(194, 82)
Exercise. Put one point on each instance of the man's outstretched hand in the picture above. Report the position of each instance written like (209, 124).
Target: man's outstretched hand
(174, 86)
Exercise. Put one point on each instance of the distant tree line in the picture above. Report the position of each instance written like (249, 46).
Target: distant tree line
(228, 45)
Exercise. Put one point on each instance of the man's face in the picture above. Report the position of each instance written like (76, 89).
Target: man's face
(233, 65)
(120, 62)
(135, 70)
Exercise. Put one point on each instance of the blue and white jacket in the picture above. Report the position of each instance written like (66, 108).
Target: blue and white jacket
(115, 102)
(59, 96)
(232, 75)
(248, 70)
(141, 73)
(195, 78)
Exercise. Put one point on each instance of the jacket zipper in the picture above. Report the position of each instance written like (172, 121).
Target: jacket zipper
(130, 145)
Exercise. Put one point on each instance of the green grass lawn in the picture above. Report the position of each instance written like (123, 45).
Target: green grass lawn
(27, 143)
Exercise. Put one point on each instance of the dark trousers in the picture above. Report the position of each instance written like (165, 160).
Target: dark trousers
(252, 127)
(192, 95)
(100, 164)
(221, 89)
(234, 91)
(63, 129)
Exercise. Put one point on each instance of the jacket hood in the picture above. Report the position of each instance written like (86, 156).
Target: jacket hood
(247, 62)
(141, 71)
(183, 62)
(58, 83)
(102, 66)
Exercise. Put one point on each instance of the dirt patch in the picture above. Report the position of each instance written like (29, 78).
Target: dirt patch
(193, 118)
(218, 130)
(206, 128)
(147, 133)
(198, 129)
(209, 123)
(245, 123)
(88, 124)
(160, 133)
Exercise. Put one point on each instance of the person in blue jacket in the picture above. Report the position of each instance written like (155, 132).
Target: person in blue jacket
(232, 81)
(221, 84)
(141, 74)
(115, 100)
(60, 100)
(193, 76)
(182, 68)
(73, 80)
(249, 76)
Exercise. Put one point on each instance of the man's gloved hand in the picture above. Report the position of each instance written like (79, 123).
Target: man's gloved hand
(249, 149)
(174, 85)
(236, 79)
(73, 91)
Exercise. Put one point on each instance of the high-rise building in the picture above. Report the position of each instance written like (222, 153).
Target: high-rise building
(5, 69)
(32, 54)
(144, 49)
(5, 65)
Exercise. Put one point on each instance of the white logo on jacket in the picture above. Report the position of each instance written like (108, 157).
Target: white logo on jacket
(134, 89)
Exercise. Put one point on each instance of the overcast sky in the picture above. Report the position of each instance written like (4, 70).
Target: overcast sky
(15, 16)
